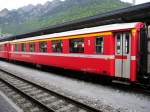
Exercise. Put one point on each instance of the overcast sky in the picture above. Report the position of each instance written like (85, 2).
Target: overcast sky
(14, 4)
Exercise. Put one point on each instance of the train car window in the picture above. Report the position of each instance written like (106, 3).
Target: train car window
(16, 47)
(57, 46)
(99, 45)
(76, 45)
(32, 47)
(43, 46)
(118, 44)
(127, 37)
(23, 47)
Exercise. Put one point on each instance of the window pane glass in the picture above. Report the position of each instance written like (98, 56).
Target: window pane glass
(118, 44)
(43, 46)
(16, 47)
(32, 47)
(127, 43)
(57, 46)
(23, 47)
(76, 45)
(99, 45)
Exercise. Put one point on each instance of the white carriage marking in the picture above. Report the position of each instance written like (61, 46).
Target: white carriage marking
(3, 51)
(69, 55)
(133, 58)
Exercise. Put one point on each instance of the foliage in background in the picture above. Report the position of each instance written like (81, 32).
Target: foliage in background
(31, 17)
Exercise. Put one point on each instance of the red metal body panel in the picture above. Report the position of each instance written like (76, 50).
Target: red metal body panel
(49, 47)
(134, 52)
(19, 47)
(4, 53)
(66, 46)
(99, 66)
(27, 47)
(89, 45)
(93, 65)
(120, 57)
(37, 47)
(109, 46)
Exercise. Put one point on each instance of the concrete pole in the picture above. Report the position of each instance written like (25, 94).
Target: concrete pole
(133, 2)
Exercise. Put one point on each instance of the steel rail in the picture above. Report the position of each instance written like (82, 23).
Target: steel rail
(72, 101)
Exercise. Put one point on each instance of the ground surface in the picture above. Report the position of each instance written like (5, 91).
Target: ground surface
(6, 105)
(104, 97)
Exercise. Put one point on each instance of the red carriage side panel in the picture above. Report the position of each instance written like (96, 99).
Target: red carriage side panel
(49, 46)
(4, 50)
(89, 44)
(27, 47)
(37, 48)
(8, 50)
(19, 47)
(134, 52)
(111, 51)
(102, 63)
(65, 46)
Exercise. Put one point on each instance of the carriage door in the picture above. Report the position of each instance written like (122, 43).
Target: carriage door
(122, 55)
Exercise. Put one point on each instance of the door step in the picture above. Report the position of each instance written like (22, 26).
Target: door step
(121, 82)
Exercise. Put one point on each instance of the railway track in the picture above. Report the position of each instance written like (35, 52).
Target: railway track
(33, 98)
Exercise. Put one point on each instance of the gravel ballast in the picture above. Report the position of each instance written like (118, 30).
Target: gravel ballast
(6, 105)
(103, 97)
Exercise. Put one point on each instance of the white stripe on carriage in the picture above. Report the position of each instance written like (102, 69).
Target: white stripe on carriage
(68, 55)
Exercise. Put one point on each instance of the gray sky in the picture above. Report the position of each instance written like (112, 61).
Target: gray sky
(14, 4)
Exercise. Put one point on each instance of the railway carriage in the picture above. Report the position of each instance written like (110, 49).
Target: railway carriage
(4, 50)
(116, 51)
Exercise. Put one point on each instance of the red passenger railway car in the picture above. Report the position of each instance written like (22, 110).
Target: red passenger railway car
(118, 51)
(4, 49)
